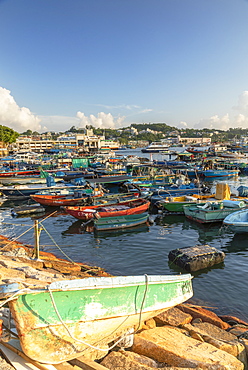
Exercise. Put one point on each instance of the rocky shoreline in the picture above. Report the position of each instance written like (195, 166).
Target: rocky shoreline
(184, 337)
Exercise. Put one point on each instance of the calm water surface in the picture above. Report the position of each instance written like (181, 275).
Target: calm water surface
(144, 250)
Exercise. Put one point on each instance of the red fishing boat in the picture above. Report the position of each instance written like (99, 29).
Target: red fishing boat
(60, 199)
(97, 198)
(126, 208)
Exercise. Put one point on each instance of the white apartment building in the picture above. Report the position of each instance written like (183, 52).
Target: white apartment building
(87, 142)
(194, 140)
(28, 144)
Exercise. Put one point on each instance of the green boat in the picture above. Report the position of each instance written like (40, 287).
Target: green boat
(212, 211)
(69, 318)
(120, 222)
(175, 204)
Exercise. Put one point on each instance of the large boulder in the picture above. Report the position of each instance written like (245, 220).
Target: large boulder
(169, 345)
(173, 317)
(198, 312)
(219, 338)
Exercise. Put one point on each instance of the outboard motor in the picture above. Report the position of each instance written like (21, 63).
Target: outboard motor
(50, 181)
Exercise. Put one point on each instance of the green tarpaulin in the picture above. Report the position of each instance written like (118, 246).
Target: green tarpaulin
(80, 162)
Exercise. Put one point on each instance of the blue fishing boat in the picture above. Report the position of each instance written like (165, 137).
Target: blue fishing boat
(175, 191)
(237, 221)
(211, 174)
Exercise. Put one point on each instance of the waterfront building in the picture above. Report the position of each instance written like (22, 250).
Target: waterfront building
(86, 142)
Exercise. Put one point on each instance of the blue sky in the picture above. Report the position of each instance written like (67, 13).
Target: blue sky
(111, 63)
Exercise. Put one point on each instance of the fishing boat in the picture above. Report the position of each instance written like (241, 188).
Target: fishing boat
(211, 174)
(198, 149)
(25, 179)
(232, 155)
(20, 192)
(130, 207)
(176, 191)
(71, 198)
(27, 210)
(175, 204)
(212, 211)
(120, 222)
(237, 221)
(68, 319)
(80, 198)
(50, 200)
(20, 172)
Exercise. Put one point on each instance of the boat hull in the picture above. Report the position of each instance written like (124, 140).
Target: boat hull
(18, 180)
(207, 216)
(161, 194)
(121, 222)
(209, 174)
(131, 207)
(176, 207)
(237, 222)
(54, 326)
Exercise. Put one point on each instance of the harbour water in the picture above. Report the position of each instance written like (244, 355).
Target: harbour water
(145, 249)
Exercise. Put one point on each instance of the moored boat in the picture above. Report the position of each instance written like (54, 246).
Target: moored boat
(67, 318)
(25, 180)
(130, 207)
(120, 222)
(175, 204)
(175, 191)
(27, 210)
(20, 192)
(210, 174)
(79, 198)
(212, 211)
(237, 221)
(9, 173)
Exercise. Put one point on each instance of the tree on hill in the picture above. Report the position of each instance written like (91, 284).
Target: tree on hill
(27, 133)
(7, 135)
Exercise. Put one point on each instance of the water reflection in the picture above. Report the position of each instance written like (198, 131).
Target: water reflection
(206, 232)
(79, 228)
(238, 243)
(199, 273)
(164, 220)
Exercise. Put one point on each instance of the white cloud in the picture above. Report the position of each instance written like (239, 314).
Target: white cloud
(215, 122)
(11, 115)
(182, 124)
(146, 110)
(102, 120)
(242, 102)
(240, 121)
(229, 120)
(119, 107)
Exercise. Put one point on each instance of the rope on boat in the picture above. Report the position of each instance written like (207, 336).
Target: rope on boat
(119, 340)
(18, 292)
